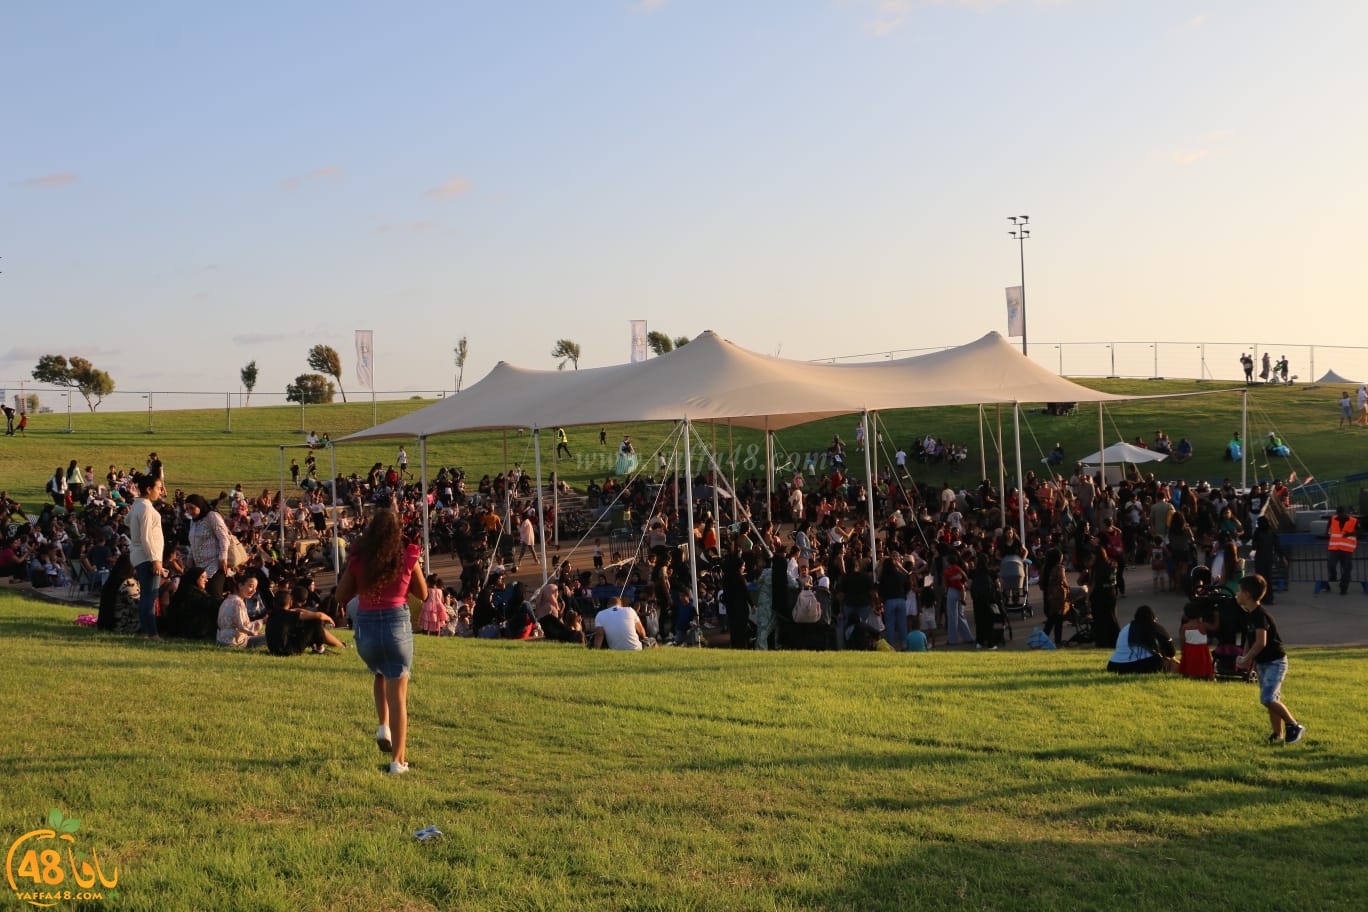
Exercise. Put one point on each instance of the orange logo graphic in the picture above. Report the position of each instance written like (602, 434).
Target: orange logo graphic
(34, 869)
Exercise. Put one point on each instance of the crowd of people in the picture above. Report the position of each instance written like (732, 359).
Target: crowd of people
(791, 570)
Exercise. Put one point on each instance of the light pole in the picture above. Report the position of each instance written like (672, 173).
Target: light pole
(68, 399)
(1060, 349)
(148, 397)
(1021, 233)
(1111, 347)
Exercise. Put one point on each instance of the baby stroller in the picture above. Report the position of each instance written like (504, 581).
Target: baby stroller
(1016, 591)
(1218, 607)
(1080, 615)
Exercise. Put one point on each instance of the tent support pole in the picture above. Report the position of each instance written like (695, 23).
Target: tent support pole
(1021, 488)
(337, 526)
(689, 511)
(769, 476)
(717, 507)
(1002, 457)
(1244, 436)
(283, 511)
(869, 492)
(555, 493)
(983, 452)
(427, 515)
(541, 515)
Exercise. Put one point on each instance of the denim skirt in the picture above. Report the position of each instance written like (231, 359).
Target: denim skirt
(384, 641)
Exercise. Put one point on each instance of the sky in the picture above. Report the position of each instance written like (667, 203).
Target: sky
(186, 187)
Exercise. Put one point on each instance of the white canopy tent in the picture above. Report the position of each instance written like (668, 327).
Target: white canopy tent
(713, 380)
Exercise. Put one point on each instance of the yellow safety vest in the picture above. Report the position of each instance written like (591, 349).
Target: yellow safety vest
(1344, 538)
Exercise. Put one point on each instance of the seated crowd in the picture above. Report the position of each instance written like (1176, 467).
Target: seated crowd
(802, 578)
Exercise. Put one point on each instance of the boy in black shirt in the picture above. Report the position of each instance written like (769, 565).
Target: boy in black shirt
(1264, 652)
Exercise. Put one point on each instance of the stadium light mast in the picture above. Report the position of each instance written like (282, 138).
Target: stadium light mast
(1021, 233)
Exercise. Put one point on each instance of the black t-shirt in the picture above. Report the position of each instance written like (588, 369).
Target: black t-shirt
(279, 625)
(893, 585)
(1260, 619)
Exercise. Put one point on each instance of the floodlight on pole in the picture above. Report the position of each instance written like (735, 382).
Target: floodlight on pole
(1021, 233)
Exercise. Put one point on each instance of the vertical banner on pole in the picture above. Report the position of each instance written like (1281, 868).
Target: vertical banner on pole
(638, 341)
(1016, 312)
(365, 354)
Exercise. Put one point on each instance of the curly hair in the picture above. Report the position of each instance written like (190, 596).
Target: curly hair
(381, 550)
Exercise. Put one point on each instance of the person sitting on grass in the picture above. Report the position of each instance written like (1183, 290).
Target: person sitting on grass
(234, 629)
(292, 628)
(193, 612)
(1143, 646)
(619, 627)
(1182, 452)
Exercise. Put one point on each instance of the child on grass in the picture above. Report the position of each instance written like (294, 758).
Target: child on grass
(1264, 652)
(1196, 661)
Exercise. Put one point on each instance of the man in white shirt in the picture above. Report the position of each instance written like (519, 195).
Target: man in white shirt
(620, 626)
(146, 547)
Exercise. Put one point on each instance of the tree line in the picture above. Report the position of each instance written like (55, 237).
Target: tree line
(78, 375)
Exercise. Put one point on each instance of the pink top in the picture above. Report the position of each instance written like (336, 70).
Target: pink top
(395, 595)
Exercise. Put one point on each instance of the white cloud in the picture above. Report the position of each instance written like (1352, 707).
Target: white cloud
(452, 187)
(648, 6)
(1205, 147)
(1196, 22)
(60, 179)
(327, 172)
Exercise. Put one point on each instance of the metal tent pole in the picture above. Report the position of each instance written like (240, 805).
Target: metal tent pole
(869, 493)
(541, 515)
(427, 516)
(689, 511)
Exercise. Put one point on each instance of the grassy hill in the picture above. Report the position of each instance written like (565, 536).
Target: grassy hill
(680, 779)
(201, 456)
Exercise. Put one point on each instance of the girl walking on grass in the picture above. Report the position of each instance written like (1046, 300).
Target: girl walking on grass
(381, 573)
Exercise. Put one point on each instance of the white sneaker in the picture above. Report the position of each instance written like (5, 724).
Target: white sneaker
(382, 740)
(397, 768)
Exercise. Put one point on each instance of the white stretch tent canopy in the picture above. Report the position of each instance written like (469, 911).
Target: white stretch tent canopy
(711, 379)
(1332, 377)
(1119, 453)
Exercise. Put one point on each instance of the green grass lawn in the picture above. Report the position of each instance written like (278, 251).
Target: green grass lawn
(201, 457)
(565, 778)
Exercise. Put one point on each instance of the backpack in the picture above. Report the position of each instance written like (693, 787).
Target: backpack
(807, 610)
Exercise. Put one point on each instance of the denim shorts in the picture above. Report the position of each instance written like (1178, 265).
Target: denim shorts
(1271, 676)
(384, 641)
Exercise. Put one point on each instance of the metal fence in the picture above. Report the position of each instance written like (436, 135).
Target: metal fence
(1216, 361)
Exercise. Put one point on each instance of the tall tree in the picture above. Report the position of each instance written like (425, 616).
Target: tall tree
(324, 359)
(462, 350)
(77, 374)
(310, 389)
(566, 350)
(249, 378)
(681, 341)
(659, 343)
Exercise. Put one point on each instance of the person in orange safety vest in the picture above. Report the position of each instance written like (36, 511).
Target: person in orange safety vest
(1343, 540)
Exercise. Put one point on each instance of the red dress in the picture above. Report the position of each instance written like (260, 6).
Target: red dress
(1196, 661)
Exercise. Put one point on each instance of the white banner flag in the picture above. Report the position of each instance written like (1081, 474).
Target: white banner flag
(365, 358)
(638, 341)
(1016, 312)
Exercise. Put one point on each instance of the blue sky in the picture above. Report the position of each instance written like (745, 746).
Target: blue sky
(187, 187)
